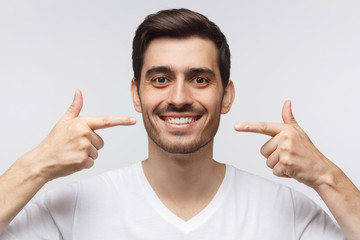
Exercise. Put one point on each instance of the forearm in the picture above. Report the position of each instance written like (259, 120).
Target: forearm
(17, 186)
(343, 200)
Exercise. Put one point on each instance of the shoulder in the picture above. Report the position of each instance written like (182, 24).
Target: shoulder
(94, 185)
(263, 192)
(281, 204)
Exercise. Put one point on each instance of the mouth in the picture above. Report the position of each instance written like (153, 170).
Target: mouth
(180, 120)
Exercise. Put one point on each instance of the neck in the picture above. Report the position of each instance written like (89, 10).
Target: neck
(184, 180)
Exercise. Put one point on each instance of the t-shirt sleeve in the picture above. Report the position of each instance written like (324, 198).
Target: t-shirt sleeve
(33, 222)
(49, 216)
(312, 222)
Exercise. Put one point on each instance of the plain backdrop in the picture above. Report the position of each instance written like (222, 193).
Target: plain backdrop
(307, 51)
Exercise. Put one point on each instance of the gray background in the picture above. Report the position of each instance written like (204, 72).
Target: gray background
(306, 51)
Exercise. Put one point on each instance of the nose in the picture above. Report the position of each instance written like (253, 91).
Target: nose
(180, 94)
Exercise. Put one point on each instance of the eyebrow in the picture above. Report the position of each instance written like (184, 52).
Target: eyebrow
(203, 70)
(158, 69)
(166, 69)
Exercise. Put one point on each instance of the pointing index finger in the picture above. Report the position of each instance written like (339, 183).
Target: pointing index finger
(108, 121)
(270, 129)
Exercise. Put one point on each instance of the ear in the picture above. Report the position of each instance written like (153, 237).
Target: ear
(228, 99)
(135, 96)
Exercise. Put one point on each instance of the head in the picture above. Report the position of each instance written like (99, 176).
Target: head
(181, 83)
(179, 23)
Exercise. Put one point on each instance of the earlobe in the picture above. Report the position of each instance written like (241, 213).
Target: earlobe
(135, 96)
(228, 99)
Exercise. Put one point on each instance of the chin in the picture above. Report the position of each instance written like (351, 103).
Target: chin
(182, 148)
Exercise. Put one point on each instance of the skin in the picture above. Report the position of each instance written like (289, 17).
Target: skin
(180, 166)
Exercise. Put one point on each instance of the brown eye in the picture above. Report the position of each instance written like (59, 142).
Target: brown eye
(160, 80)
(200, 80)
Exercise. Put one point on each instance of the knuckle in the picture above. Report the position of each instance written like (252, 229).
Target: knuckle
(81, 157)
(285, 136)
(82, 162)
(277, 172)
(263, 127)
(85, 133)
(101, 144)
(285, 146)
(89, 163)
(269, 163)
(84, 144)
(292, 132)
(82, 131)
(263, 151)
(95, 154)
(245, 126)
(79, 129)
(287, 162)
(272, 161)
(78, 161)
(106, 121)
(288, 135)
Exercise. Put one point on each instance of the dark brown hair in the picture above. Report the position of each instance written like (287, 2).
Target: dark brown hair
(179, 23)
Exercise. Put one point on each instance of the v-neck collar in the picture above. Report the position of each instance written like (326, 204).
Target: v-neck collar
(169, 216)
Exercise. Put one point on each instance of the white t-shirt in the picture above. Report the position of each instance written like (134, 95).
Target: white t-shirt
(121, 204)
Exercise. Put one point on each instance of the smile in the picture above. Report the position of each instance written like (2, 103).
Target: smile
(180, 120)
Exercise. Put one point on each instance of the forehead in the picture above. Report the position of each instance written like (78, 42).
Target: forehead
(181, 54)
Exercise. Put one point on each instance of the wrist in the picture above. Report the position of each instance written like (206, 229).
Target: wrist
(30, 170)
(332, 179)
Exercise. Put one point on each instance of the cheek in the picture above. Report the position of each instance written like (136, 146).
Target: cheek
(211, 100)
(151, 100)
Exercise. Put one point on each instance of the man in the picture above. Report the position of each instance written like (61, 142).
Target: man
(181, 85)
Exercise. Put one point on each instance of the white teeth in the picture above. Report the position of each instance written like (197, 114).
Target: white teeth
(181, 120)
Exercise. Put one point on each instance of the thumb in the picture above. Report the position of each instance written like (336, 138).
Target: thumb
(287, 115)
(75, 107)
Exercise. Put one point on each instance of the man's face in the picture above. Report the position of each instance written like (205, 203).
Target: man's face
(180, 93)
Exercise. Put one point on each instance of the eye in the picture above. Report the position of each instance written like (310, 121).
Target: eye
(200, 80)
(160, 81)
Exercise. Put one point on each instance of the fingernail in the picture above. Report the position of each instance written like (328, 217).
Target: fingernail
(133, 120)
(237, 126)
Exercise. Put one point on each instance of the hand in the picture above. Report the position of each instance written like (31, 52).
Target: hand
(290, 152)
(72, 144)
